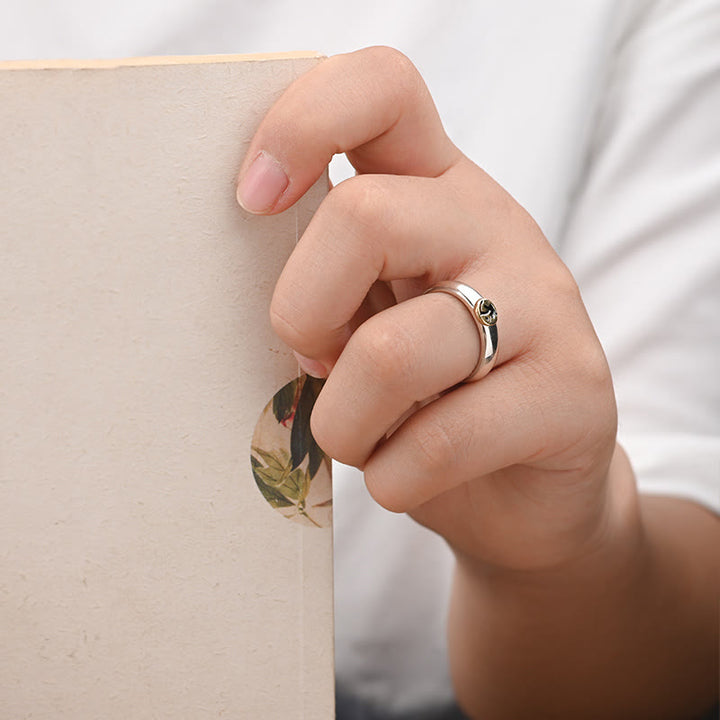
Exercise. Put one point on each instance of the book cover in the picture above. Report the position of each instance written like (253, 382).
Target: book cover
(165, 516)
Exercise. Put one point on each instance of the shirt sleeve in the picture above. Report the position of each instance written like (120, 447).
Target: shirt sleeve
(643, 241)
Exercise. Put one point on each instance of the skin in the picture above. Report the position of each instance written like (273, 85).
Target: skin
(573, 596)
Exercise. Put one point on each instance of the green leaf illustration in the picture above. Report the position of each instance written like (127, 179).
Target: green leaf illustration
(271, 476)
(282, 442)
(278, 479)
(274, 498)
(272, 460)
(271, 494)
(294, 486)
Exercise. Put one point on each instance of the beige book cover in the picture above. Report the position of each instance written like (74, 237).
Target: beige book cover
(165, 539)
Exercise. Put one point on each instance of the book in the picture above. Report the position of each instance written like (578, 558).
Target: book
(165, 515)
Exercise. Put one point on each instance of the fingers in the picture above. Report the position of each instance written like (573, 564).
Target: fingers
(371, 104)
(404, 231)
(525, 412)
(468, 433)
(369, 228)
(392, 362)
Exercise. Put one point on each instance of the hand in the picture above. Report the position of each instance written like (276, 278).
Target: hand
(510, 469)
(519, 471)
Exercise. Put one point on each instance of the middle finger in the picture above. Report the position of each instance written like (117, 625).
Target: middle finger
(369, 228)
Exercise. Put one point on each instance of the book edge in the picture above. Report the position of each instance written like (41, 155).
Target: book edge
(114, 63)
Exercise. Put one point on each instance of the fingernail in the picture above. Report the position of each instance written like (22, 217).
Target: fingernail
(262, 184)
(311, 367)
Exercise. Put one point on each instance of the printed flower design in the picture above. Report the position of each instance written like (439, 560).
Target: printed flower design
(290, 469)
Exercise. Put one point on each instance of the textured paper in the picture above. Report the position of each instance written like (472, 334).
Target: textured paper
(142, 573)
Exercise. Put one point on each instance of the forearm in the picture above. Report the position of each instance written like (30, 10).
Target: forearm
(631, 630)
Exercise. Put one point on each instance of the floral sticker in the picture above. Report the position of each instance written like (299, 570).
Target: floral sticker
(290, 469)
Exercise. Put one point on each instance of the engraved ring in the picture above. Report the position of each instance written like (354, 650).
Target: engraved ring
(485, 316)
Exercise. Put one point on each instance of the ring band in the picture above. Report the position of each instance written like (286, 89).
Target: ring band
(484, 314)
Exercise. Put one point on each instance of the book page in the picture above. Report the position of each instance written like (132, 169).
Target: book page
(155, 562)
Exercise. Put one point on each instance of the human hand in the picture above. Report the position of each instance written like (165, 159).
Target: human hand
(513, 470)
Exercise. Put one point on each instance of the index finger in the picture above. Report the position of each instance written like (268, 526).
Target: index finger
(371, 104)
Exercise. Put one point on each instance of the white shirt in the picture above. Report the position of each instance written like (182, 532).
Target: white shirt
(601, 118)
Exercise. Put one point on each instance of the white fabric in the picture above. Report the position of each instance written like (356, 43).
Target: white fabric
(602, 118)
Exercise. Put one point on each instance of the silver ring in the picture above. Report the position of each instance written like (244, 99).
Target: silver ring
(484, 314)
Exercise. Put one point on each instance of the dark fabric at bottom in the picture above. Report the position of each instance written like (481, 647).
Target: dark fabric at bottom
(349, 708)
(714, 714)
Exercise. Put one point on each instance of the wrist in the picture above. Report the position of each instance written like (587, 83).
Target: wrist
(637, 613)
(565, 622)
(613, 545)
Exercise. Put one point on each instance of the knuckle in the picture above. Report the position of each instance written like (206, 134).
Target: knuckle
(384, 491)
(395, 63)
(596, 373)
(558, 311)
(387, 353)
(394, 66)
(596, 382)
(584, 349)
(437, 446)
(286, 321)
(360, 200)
(334, 433)
(562, 282)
